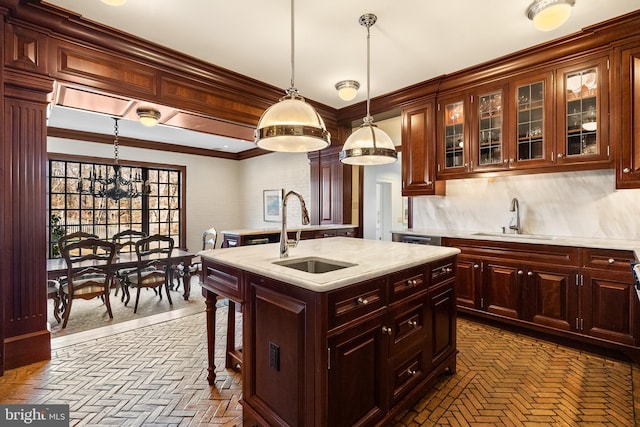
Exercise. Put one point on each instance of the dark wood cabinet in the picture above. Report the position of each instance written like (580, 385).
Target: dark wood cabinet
(627, 110)
(582, 103)
(331, 190)
(356, 355)
(418, 150)
(586, 293)
(231, 239)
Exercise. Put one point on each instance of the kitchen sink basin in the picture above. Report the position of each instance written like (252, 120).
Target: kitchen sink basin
(517, 236)
(314, 265)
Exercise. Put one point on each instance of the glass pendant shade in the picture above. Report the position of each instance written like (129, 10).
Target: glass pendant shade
(367, 146)
(114, 2)
(292, 125)
(547, 15)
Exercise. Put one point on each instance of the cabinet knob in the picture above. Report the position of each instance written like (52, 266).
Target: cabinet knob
(362, 301)
(411, 372)
(520, 272)
(626, 170)
(560, 155)
(412, 324)
(506, 161)
(611, 260)
(476, 266)
(429, 182)
(448, 270)
(530, 273)
(386, 330)
(511, 160)
(411, 283)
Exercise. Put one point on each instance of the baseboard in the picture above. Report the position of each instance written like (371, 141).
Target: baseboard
(26, 349)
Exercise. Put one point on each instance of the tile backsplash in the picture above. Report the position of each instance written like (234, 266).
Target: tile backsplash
(572, 204)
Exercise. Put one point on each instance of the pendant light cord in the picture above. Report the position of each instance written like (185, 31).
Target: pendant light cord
(368, 71)
(115, 141)
(293, 45)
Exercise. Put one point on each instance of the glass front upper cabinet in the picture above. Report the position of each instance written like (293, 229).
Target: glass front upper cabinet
(583, 126)
(454, 139)
(490, 135)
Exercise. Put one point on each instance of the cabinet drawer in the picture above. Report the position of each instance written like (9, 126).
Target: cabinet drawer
(356, 301)
(408, 323)
(442, 270)
(607, 259)
(321, 234)
(407, 369)
(222, 280)
(346, 232)
(407, 282)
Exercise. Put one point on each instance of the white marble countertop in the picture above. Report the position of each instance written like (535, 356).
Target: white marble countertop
(372, 258)
(585, 242)
(277, 229)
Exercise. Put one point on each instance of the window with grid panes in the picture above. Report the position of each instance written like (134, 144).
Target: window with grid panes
(157, 213)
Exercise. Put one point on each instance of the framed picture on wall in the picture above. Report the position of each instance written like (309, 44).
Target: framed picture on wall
(272, 205)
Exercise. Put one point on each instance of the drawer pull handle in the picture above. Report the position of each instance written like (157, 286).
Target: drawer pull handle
(412, 283)
(530, 273)
(362, 301)
(520, 272)
(448, 270)
(476, 266)
(386, 330)
(412, 324)
(626, 170)
(411, 372)
(611, 260)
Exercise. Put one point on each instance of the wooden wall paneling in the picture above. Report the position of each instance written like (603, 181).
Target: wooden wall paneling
(4, 223)
(24, 211)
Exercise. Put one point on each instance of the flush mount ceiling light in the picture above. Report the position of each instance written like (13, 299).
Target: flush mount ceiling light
(292, 125)
(548, 15)
(368, 145)
(148, 116)
(347, 89)
(114, 2)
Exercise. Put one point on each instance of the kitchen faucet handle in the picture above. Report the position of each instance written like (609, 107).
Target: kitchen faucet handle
(294, 243)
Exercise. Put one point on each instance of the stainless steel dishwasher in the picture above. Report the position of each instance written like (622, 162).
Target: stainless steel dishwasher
(416, 239)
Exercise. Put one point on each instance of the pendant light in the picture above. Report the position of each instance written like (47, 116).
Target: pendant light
(292, 125)
(368, 145)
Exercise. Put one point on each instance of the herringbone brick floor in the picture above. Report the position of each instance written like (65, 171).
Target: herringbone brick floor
(155, 375)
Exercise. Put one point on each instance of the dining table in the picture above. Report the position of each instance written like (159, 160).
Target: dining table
(57, 267)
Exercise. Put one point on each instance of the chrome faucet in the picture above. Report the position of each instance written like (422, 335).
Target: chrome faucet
(285, 243)
(515, 207)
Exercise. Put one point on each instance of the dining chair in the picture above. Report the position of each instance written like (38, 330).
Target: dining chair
(153, 268)
(125, 241)
(209, 241)
(88, 273)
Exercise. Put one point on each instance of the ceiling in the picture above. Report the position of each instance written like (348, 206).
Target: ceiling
(412, 41)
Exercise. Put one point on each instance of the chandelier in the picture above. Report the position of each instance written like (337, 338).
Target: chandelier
(113, 185)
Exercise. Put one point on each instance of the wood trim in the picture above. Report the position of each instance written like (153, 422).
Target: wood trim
(28, 348)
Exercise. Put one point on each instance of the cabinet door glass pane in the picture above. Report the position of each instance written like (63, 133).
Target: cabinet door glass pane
(490, 128)
(454, 135)
(582, 112)
(530, 121)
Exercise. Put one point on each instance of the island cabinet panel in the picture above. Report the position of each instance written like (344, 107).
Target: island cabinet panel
(586, 294)
(354, 355)
(357, 374)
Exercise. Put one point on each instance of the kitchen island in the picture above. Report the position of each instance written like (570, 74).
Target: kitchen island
(353, 343)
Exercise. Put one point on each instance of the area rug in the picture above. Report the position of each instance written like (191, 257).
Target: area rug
(90, 314)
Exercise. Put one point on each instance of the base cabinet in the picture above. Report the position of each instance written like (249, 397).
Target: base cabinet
(585, 293)
(357, 355)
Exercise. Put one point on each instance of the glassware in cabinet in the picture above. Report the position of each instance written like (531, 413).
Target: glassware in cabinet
(530, 99)
(490, 118)
(454, 146)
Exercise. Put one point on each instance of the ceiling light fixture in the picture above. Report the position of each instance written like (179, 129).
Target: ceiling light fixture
(148, 117)
(114, 2)
(292, 125)
(548, 15)
(368, 145)
(112, 184)
(347, 89)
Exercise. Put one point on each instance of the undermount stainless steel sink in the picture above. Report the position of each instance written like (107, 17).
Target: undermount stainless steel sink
(314, 265)
(517, 236)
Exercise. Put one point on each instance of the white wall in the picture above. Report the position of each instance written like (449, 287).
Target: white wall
(274, 171)
(391, 174)
(221, 193)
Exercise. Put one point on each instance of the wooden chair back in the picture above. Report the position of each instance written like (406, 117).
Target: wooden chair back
(74, 237)
(209, 239)
(125, 241)
(89, 272)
